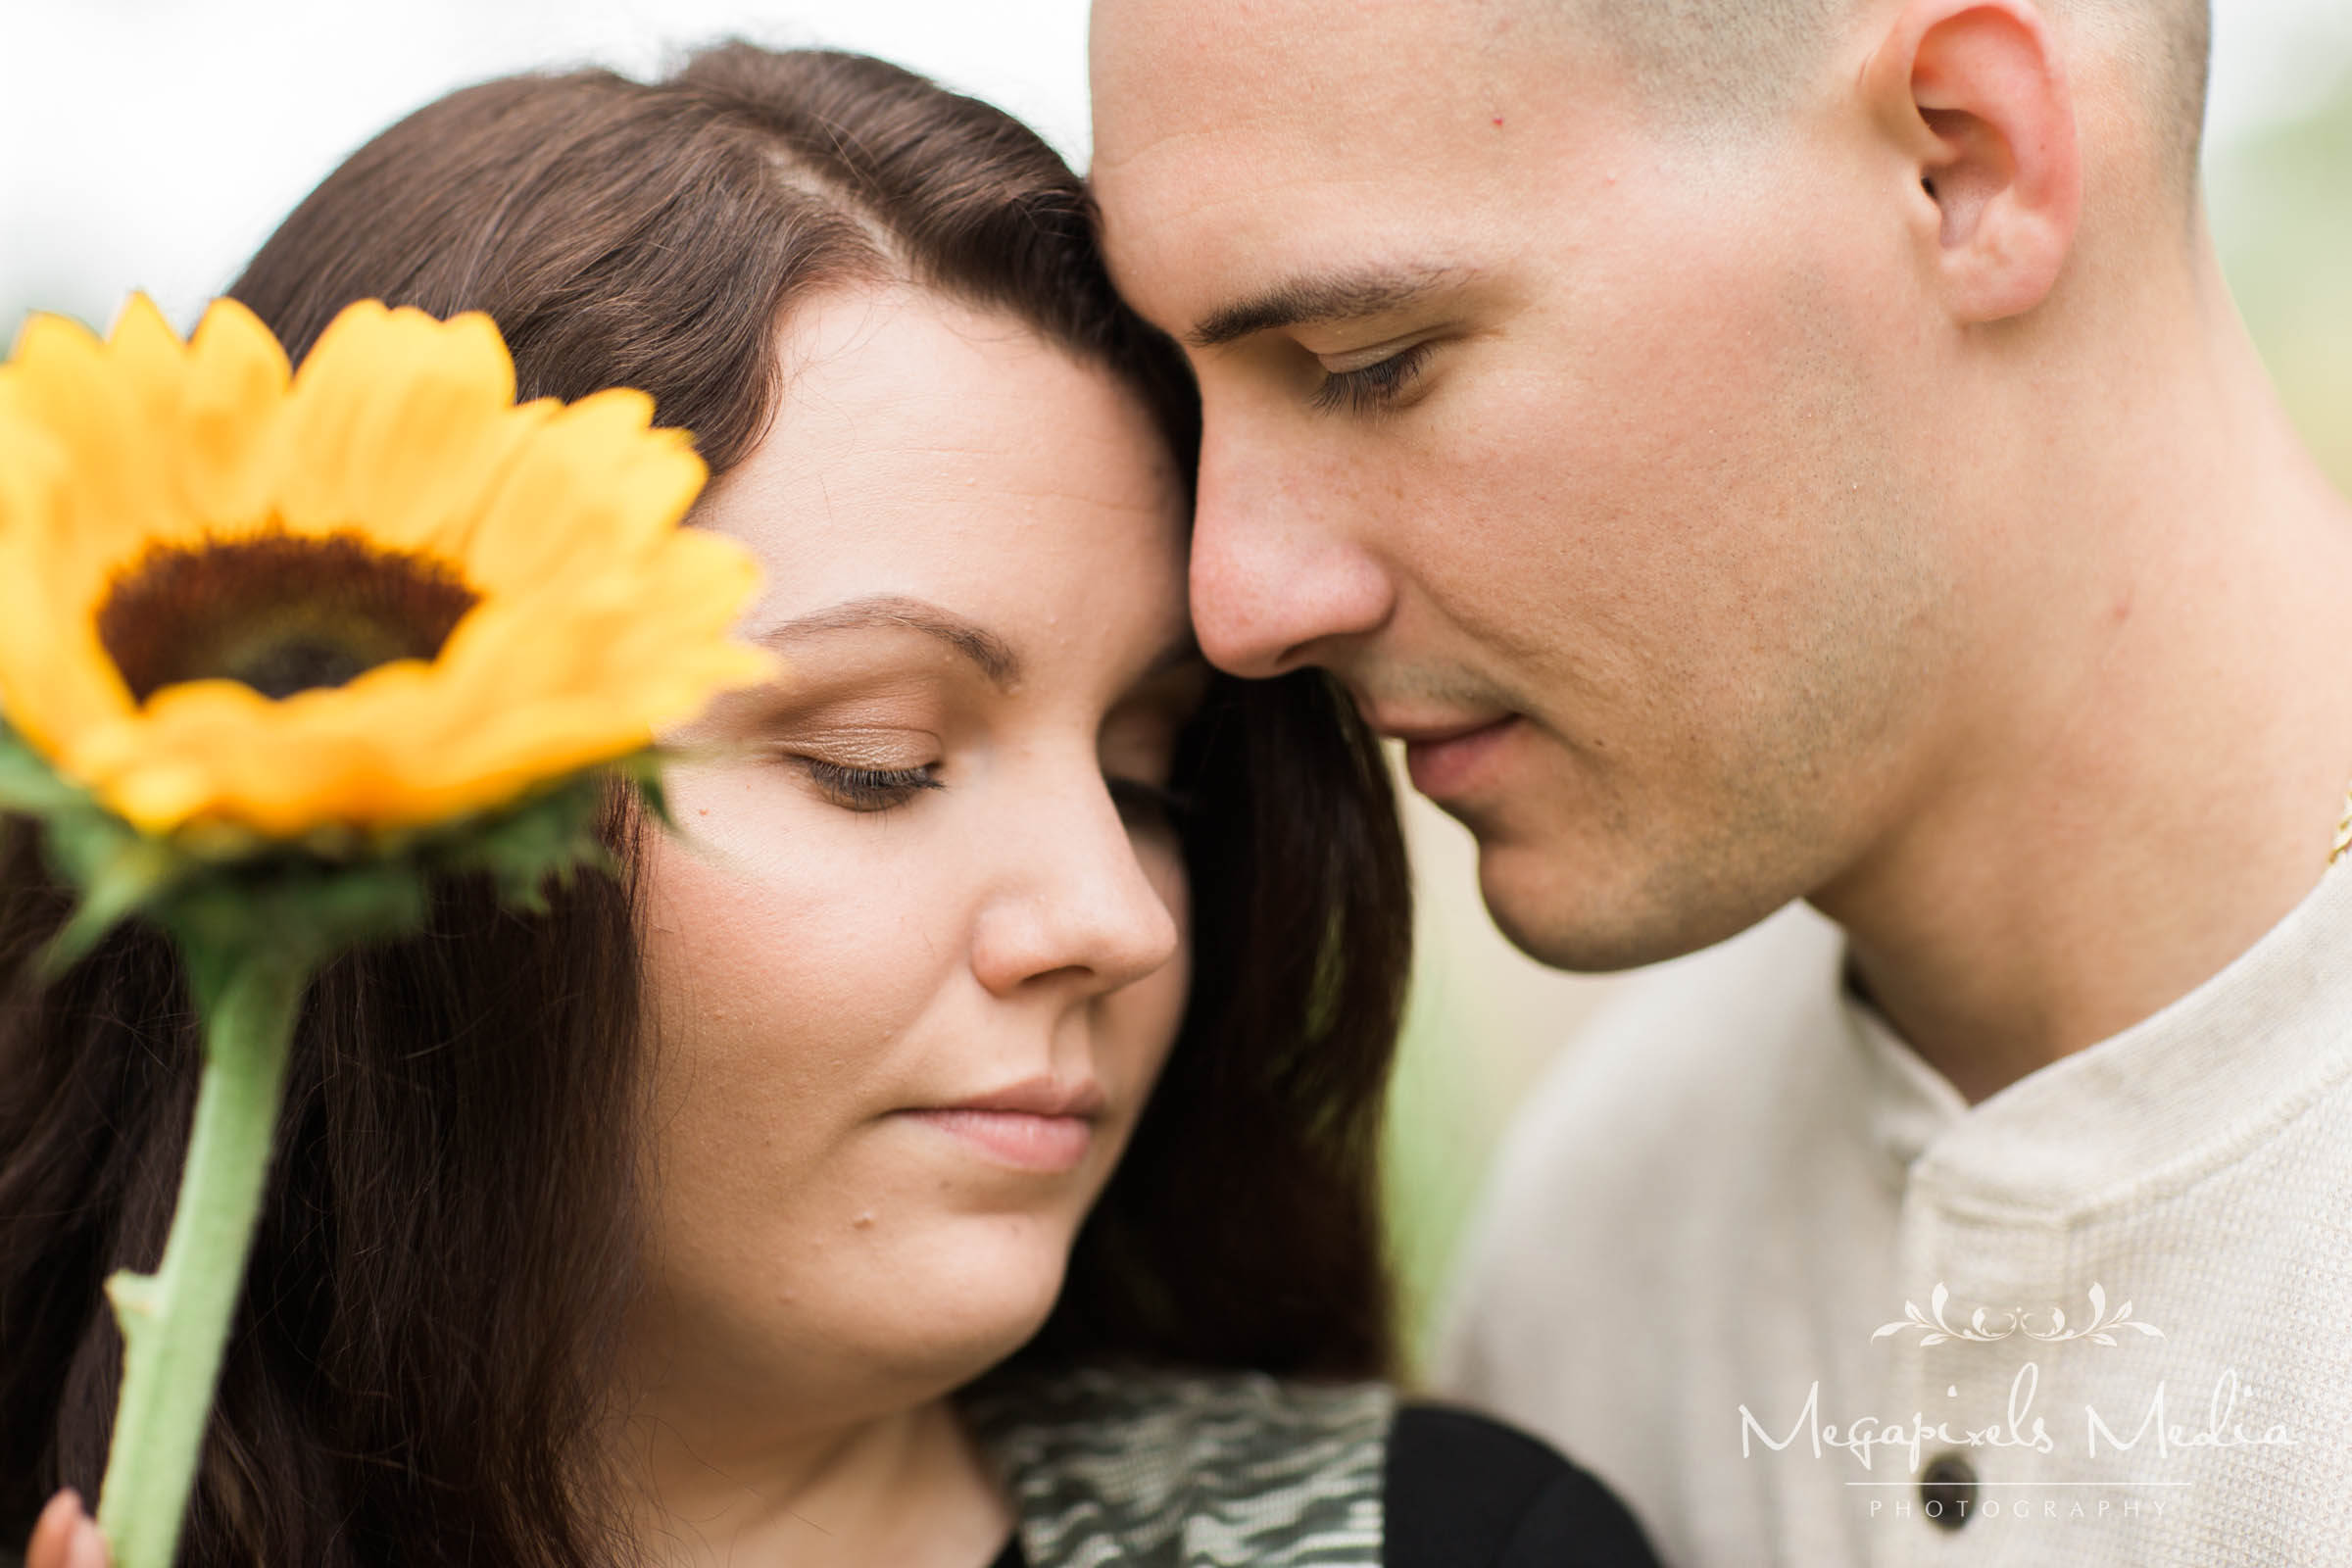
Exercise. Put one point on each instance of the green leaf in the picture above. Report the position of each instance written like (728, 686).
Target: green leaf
(119, 873)
(656, 801)
(296, 910)
(644, 770)
(221, 894)
(549, 836)
(29, 784)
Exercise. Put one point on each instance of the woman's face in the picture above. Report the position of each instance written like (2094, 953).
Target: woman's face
(920, 950)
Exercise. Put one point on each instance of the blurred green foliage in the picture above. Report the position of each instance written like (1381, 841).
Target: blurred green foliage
(1442, 1135)
(2282, 206)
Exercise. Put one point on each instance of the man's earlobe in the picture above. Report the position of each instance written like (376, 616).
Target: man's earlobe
(1976, 99)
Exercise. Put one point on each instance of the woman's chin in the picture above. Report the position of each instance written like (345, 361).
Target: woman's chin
(956, 1323)
(931, 1315)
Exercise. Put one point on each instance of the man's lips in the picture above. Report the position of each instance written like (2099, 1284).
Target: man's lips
(1447, 761)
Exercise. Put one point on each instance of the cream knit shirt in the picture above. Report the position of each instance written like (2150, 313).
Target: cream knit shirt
(1743, 1217)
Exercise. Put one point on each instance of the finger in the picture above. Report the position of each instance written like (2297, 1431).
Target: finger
(53, 1532)
(89, 1546)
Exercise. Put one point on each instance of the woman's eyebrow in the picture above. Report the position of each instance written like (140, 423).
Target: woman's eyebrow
(989, 653)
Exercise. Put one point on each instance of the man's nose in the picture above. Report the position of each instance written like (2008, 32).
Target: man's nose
(1279, 578)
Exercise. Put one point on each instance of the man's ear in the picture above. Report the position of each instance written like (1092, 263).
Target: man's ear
(1977, 101)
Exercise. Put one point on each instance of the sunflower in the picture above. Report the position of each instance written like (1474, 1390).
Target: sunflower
(277, 649)
(373, 595)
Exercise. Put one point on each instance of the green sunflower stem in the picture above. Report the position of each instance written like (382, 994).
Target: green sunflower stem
(175, 1321)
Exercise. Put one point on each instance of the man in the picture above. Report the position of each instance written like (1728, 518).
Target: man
(1771, 450)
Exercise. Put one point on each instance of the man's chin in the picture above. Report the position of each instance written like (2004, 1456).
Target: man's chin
(1591, 915)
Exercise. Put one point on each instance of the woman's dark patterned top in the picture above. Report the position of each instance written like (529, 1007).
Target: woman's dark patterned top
(1148, 1469)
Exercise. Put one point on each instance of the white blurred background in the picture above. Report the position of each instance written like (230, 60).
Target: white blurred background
(151, 145)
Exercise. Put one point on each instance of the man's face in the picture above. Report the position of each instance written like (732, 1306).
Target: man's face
(1559, 436)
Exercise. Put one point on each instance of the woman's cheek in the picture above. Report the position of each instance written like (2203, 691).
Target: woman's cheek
(793, 916)
(780, 965)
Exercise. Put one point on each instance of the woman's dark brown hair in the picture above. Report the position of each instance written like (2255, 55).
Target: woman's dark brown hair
(447, 1245)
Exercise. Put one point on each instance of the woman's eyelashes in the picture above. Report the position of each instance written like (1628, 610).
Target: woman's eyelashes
(868, 789)
(1373, 388)
(1142, 803)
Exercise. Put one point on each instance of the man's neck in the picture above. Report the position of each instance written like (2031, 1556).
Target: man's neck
(2153, 757)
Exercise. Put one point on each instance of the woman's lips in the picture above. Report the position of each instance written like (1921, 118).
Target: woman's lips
(1023, 1140)
(1452, 764)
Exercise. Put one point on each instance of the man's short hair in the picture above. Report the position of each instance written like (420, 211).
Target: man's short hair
(1735, 59)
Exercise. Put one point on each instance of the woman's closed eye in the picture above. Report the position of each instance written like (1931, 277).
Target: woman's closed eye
(868, 789)
(1140, 804)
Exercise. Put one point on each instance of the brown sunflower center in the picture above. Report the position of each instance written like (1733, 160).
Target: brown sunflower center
(280, 613)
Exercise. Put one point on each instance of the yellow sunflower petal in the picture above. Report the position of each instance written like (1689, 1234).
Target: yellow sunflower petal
(220, 749)
(548, 740)
(237, 378)
(398, 424)
(104, 420)
(596, 671)
(676, 633)
(405, 785)
(148, 357)
(162, 794)
(600, 723)
(597, 620)
(54, 680)
(33, 462)
(592, 635)
(594, 486)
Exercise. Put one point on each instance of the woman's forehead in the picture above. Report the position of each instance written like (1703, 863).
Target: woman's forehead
(927, 452)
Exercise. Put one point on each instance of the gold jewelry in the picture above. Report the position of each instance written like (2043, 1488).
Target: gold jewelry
(2344, 832)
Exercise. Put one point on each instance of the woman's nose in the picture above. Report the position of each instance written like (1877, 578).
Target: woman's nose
(1076, 902)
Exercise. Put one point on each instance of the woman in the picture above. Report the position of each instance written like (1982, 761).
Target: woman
(956, 1144)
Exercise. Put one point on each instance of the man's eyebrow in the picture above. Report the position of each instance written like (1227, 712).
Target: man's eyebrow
(984, 648)
(1339, 297)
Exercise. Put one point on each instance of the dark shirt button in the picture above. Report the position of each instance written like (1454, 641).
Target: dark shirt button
(1948, 1491)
